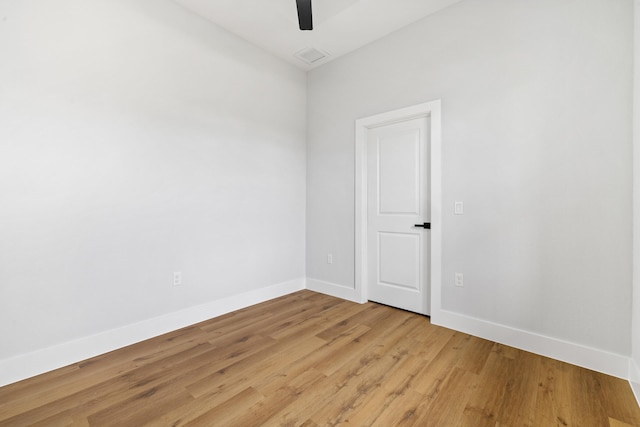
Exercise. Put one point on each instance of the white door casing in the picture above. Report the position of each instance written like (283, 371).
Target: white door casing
(397, 186)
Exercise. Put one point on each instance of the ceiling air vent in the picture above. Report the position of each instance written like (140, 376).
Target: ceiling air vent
(311, 55)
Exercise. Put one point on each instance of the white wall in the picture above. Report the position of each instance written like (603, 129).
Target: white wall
(536, 123)
(635, 338)
(136, 140)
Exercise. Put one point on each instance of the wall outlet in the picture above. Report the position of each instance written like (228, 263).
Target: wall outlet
(177, 278)
(329, 258)
(459, 280)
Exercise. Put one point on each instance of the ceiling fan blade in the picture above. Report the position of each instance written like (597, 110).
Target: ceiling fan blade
(305, 17)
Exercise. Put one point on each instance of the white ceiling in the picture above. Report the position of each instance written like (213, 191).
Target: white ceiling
(340, 26)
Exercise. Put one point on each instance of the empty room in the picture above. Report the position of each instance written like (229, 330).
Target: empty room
(327, 212)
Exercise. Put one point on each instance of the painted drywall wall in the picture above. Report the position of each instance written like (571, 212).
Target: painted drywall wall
(137, 139)
(635, 337)
(536, 136)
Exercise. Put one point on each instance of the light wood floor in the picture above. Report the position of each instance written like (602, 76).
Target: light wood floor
(312, 360)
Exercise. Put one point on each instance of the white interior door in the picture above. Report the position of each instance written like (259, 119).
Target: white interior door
(397, 204)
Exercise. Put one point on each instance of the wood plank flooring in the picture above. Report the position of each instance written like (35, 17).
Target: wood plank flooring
(308, 359)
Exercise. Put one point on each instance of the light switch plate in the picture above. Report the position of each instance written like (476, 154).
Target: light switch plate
(459, 280)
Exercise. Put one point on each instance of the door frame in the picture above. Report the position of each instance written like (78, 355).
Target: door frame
(431, 110)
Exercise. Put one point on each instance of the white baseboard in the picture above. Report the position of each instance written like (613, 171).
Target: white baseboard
(634, 378)
(334, 290)
(612, 364)
(608, 363)
(28, 365)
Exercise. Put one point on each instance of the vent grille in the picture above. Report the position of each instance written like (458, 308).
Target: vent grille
(311, 55)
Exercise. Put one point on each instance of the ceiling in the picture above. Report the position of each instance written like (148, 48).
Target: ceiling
(340, 26)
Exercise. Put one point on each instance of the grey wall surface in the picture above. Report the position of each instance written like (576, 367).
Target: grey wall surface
(635, 339)
(537, 142)
(137, 139)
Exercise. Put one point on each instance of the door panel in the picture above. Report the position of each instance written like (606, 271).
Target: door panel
(398, 260)
(397, 199)
(399, 173)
